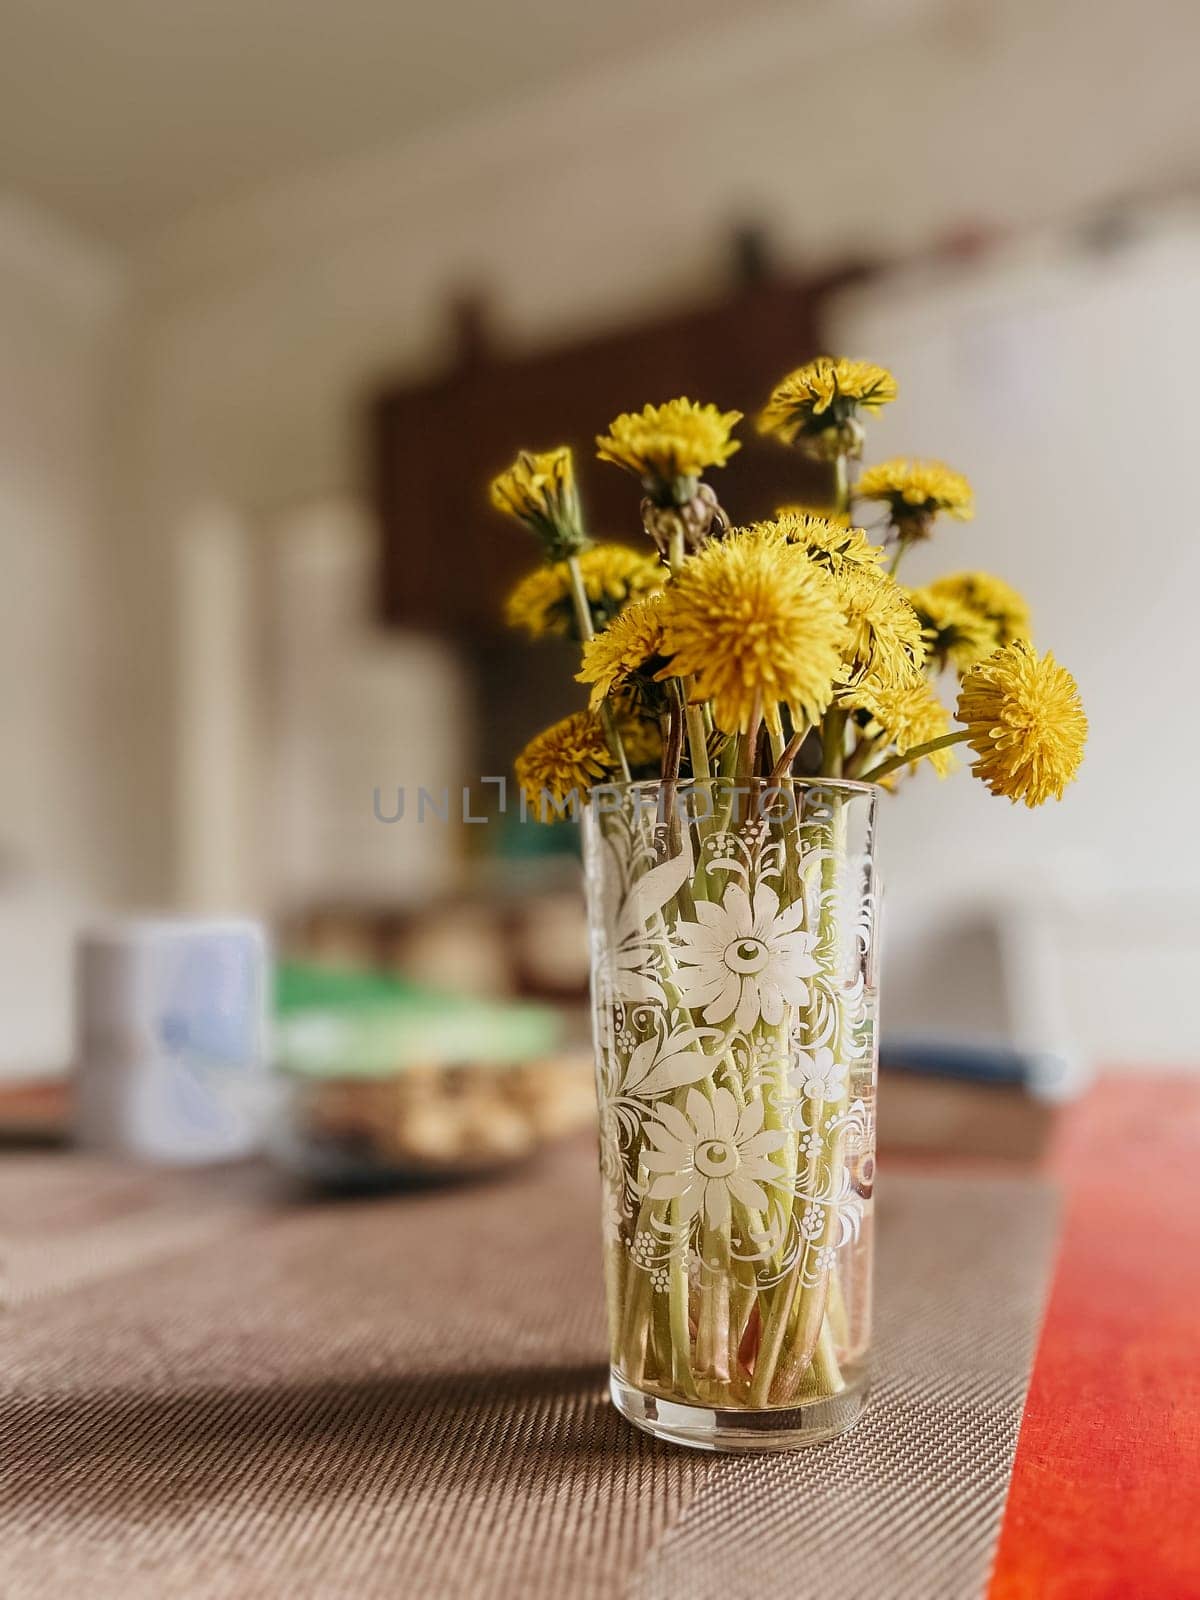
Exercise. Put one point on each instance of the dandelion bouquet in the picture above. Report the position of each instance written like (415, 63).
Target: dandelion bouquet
(751, 692)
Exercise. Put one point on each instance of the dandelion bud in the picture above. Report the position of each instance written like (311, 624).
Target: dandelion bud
(691, 522)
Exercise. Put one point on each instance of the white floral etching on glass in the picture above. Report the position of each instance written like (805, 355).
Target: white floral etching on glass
(735, 1040)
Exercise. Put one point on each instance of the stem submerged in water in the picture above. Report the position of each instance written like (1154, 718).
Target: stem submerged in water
(728, 1325)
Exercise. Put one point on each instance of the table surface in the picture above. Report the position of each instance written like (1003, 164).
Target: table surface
(203, 1383)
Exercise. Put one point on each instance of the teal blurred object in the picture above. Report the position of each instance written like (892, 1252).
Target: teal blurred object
(368, 1025)
(387, 1082)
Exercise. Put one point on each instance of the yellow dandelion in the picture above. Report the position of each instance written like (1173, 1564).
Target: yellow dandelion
(641, 739)
(820, 401)
(916, 491)
(1025, 722)
(541, 604)
(795, 508)
(539, 490)
(758, 627)
(669, 446)
(906, 715)
(1006, 611)
(831, 540)
(627, 652)
(955, 633)
(885, 637)
(557, 768)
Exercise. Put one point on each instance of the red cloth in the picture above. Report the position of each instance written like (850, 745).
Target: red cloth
(1105, 1495)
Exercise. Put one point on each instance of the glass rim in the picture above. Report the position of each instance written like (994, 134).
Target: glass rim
(852, 785)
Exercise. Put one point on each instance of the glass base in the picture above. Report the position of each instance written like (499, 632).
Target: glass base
(704, 1428)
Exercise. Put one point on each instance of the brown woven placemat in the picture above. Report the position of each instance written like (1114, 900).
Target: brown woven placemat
(907, 1506)
(407, 1397)
(66, 1221)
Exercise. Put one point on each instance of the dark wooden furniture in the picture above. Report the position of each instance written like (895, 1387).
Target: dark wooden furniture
(447, 559)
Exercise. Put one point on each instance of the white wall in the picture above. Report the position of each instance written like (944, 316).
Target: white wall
(867, 124)
(1064, 385)
(59, 311)
(353, 708)
(871, 125)
(864, 124)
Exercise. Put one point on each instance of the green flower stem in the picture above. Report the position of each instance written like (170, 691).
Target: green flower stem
(776, 1317)
(681, 1338)
(727, 777)
(833, 742)
(641, 1304)
(841, 484)
(793, 1324)
(804, 1335)
(713, 1328)
(697, 731)
(894, 763)
(781, 776)
(747, 753)
(660, 1342)
(777, 1119)
(614, 1279)
(824, 1375)
(812, 1299)
(698, 743)
(837, 1320)
(587, 630)
(635, 1325)
(859, 757)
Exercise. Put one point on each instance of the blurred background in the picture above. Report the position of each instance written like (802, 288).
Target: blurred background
(280, 288)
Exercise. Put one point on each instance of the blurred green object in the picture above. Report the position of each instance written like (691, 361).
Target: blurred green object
(367, 1025)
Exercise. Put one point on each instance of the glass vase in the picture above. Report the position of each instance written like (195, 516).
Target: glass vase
(734, 995)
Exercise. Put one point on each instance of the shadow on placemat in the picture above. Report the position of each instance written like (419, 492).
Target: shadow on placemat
(104, 1447)
(319, 1403)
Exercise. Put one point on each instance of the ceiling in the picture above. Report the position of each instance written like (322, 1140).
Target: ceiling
(123, 115)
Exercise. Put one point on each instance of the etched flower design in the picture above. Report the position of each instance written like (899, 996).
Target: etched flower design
(710, 1155)
(767, 1050)
(610, 1144)
(744, 958)
(811, 1144)
(642, 1248)
(812, 1223)
(610, 1217)
(824, 1258)
(817, 1075)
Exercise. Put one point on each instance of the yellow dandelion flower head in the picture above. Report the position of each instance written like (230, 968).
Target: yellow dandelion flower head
(885, 639)
(557, 768)
(758, 627)
(955, 633)
(906, 714)
(824, 397)
(641, 740)
(627, 653)
(541, 604)
(669, 446)
(989, 597)
(1025, 722)
(539, 490)
(916, 491)
(794, 508)
(829, 540)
